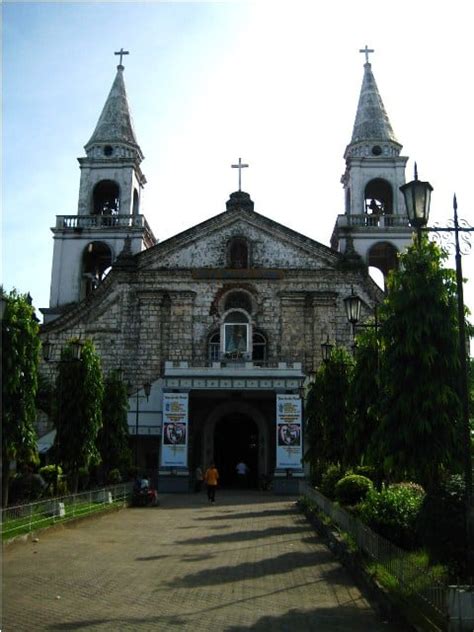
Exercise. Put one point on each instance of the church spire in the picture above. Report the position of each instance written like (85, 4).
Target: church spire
(115, 126)
(372, 125)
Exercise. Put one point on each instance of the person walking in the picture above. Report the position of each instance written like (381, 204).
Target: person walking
(212, 478)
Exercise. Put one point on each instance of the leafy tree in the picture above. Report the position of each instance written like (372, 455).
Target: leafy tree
(364, 400)
(419, 434)
(327, 411)
(78, 415)
(113, 436)
(20, 358)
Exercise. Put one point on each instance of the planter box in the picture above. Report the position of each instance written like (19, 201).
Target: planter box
(103, 496)
(55, 509)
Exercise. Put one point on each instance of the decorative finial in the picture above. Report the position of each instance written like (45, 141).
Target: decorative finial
(416, 171)
(240, 166)
(366, 50)
(121, 52)
(455, 203)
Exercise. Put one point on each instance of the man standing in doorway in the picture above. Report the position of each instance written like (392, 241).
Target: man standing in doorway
(242, 472)
(212, 478)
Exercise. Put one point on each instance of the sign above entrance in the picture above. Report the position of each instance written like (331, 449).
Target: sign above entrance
(174, 446)
(289, 432)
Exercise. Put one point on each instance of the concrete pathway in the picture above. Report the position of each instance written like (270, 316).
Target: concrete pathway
(249, 562)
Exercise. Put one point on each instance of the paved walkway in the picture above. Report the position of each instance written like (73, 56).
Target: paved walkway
(250, 562)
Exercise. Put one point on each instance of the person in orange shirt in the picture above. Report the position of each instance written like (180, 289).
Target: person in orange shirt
(212, 478)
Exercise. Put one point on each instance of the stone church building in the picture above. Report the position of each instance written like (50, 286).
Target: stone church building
(222, 323)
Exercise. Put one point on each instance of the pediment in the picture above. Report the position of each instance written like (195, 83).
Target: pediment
(272, 246)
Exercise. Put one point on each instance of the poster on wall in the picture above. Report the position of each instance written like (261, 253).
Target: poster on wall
(289, 432)
(174, 445)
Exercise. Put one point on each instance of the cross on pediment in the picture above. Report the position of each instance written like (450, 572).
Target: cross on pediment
(121, 52)
(240, 166)
(366, 50)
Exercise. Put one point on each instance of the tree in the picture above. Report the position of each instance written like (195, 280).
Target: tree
(419, 433)
(20, 358)
(364, 400)
(113, 436)
(78, 414)
(327, 411)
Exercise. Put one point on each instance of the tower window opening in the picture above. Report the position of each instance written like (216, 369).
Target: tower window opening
(108, 150)
(96, 264)
(238, 253)
(378, 197)
(106, 198)
(384, 257)
(136, 202)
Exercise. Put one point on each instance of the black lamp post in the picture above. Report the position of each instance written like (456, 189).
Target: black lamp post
(326, 349)
(75, 356)
(417, 199)
(147, 391)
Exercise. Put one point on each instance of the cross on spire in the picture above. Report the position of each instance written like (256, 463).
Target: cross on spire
(121, 52)
(240, 166)
(366, 50)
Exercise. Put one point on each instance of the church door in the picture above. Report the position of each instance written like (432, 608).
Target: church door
(236, 440)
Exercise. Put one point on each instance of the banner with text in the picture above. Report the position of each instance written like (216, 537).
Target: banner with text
(289, 432)
(174, 446)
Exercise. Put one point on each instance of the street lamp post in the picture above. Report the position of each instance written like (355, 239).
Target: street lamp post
(417, 199)
(353, 304)
(76, 351)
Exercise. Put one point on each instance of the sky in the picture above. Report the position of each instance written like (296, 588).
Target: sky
(275, 83)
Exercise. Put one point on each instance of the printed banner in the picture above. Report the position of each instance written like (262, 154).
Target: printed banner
(174, 445)
(289, 432)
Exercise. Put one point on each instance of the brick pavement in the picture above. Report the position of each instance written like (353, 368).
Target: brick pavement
(250, 562)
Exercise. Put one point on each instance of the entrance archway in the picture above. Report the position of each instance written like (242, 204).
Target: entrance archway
(236, 439)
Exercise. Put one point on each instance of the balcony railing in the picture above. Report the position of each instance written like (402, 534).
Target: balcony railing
(100, 221)
(376, 221)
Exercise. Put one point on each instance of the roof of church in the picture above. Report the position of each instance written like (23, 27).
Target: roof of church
(115, 122)
(371, 122)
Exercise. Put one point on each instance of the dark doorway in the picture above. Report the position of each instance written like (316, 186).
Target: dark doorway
(235, 440)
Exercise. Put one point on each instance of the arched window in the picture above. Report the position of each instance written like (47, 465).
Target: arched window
(214, 347)
(136, 202)
(106, 198)
(96, 263)
(236, 334)
(238, 253)
(238, 300)
(378, 197)
(259, 348)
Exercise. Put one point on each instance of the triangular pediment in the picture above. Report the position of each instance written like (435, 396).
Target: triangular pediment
(272, 245)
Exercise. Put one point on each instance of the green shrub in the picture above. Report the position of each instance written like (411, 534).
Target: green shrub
(352, 489)
(368, 471)
(393, 513)
(441, 525)
(114, 476)
(329, 480)
(48, 472)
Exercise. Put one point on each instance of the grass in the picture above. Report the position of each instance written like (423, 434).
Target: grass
(39, 519)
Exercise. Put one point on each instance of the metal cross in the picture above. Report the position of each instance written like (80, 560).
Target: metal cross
(366, 50)
(122, 52)
(240, 166)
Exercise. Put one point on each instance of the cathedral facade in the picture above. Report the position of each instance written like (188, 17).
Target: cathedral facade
(218, 329)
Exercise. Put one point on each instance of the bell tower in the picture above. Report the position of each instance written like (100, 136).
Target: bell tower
(374, 223)
(108, 219)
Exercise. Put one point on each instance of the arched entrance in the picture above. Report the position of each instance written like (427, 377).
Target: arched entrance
(229, 433)
(236, 439)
